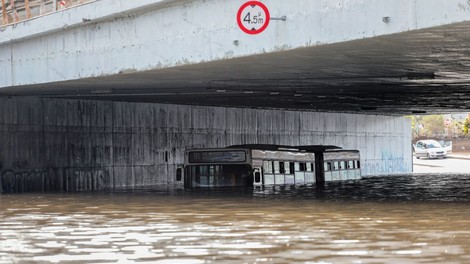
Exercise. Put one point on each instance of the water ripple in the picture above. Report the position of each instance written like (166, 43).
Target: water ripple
(399, 219)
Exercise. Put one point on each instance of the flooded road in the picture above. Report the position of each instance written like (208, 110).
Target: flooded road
(399, 219)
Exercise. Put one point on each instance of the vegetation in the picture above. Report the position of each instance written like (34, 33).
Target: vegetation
(433, 126)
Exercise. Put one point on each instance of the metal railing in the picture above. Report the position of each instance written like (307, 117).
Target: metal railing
(13, 11)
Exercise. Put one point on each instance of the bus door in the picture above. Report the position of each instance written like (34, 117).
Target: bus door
(257, 177)
(179, 174)
(299, 171)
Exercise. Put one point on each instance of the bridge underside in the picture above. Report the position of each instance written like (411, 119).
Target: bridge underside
(421, 71)
(141, 63)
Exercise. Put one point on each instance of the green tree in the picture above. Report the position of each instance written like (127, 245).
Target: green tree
(433, 125)
(466, 125)
(462, 126)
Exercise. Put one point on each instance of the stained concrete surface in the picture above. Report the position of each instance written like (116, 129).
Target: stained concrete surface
(59, 144)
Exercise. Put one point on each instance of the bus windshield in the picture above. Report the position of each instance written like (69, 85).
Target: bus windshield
(219, 175)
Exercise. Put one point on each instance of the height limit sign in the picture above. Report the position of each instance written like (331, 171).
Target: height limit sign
(253, 17)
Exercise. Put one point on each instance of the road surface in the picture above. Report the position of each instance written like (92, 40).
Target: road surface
(455, 163)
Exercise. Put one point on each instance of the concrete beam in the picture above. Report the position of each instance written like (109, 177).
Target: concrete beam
(111, 37)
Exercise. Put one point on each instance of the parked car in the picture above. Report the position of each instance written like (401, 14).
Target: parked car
(430, 149)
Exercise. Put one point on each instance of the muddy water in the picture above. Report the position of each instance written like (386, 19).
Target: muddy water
(400, 219)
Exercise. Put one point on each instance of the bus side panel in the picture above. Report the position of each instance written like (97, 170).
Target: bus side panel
(290, 179)
(268, 179)
(309, 177)
(358, 174)
(328, 176)
(299, 179)
(335, 176)
(342, 168)
(279, 179)
(353, 174)
(300, 176)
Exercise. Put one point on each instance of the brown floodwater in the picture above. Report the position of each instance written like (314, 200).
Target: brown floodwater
(399, 219)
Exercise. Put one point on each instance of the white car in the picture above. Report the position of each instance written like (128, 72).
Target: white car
(430, 149)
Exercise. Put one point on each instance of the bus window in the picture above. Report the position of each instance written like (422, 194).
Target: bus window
(350, 164)
(302, 166)
(358, 164)
(296, 166)
(335, 165)
(287, 168)
(309, 166)
(257, 177)
(276, 167)
(291, 165)
(268, 166)
(342, 165)
(326, 167)
(282, 169)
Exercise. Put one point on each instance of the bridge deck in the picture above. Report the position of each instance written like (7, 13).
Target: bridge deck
(388, 57)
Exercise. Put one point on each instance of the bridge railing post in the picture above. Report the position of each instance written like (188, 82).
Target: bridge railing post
(28, 10)
(42, 7)
(13, 9)
(4, 13)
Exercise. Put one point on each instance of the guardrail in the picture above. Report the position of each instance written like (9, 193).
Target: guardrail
(13, 11)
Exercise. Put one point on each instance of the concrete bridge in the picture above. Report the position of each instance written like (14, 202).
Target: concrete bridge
(109, 93)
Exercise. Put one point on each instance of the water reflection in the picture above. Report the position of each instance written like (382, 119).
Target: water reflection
(403, 219)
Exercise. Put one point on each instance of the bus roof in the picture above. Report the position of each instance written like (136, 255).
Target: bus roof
(305, 148)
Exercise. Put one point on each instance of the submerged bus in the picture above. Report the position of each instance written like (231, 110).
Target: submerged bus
(264, 165)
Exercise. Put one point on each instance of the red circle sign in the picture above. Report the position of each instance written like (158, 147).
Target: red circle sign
(253, 17)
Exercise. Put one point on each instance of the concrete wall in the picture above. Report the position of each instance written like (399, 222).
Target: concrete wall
(109, 37)
(55, 144)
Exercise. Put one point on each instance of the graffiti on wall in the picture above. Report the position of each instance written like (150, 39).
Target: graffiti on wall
(53, 179)
(388, 163)
(92, 179)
